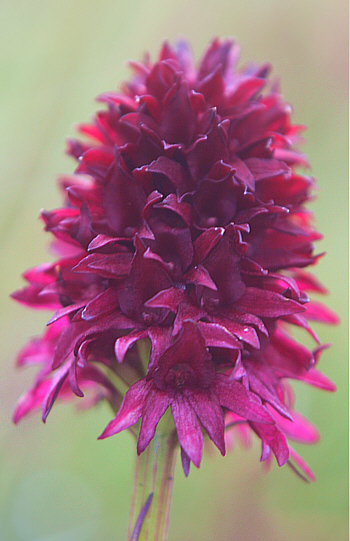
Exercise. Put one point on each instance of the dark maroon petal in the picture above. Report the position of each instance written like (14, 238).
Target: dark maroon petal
(62, 312)
(156, 404)
(207, 408)
(244, 332)
(67, 342)
(244, 90)
(122, 201)
(243, 173)
(262, 168)
(188, 429)
(265, 303)
(55, 386)
(178, 121)
(189, 350)
(218, 336)
(216, 200)
(260, 384)
(147, 277)
(101, 241)
(122, 344)
(187, 311)
(206, 242)
(235, 397)
(223, 265)
(219, 52)
(73, 382)
(104, 303)
(199, 276)
(96, 162)
(130, 410)
(111, 266)
(168, 298)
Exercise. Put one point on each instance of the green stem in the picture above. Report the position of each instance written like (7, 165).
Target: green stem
(154, 474)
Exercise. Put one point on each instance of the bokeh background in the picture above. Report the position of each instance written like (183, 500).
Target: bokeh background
(57, 482)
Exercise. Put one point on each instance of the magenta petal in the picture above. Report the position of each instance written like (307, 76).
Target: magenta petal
(188, 429)
(65, 312)
(300, 430)
(122, 344)
(317, 379)
(275, 439)
(31, 296)
(305, 468)
(316, 311)
(31, 400)
(131, 409)
(156, 404)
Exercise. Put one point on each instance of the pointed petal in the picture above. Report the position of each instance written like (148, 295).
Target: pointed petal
(300, 430)
(56, 384)
(264, 303)
(186, 462)
(218, 336)
(199, 276)
(275, 439)
(317, 379)
(122, 344)
(188, 429)
(234, 396)
(305, 468)
(156, 404)
(31, 400)
(130, 410)
(105, 302)
(206, 405)
(316, 311)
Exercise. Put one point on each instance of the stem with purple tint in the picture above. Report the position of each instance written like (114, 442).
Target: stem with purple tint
(153, 483)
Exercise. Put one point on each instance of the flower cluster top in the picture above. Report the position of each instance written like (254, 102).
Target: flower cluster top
(184, 233)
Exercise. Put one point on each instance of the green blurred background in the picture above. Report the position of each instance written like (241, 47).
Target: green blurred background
(57, 483)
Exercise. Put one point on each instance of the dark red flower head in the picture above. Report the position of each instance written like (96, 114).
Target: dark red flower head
(182, 239)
